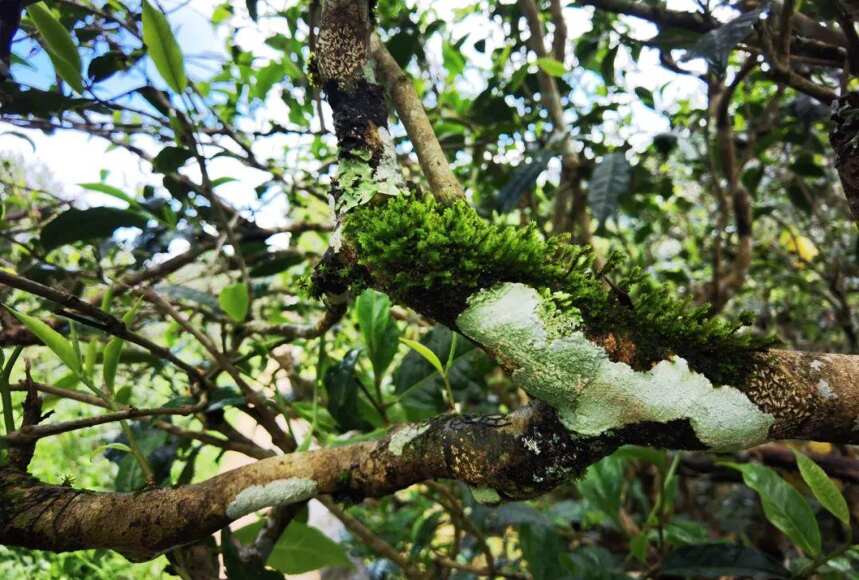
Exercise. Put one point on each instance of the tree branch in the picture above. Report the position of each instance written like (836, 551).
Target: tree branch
(443, 183)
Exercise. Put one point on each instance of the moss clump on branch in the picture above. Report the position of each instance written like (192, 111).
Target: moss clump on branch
(435, 256)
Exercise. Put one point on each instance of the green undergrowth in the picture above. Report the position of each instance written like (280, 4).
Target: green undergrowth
(433, 257)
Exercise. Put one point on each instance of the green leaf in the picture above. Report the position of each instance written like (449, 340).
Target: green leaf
(112, 352)
(266, 78)
(428, 355)
(170, 159)
(59, 45)
(610, 180)
(112, 192)
(252, 9)
(275, 263)
(823, 488)
(342, 385)
(602, 486)
(719, 560)
(379, 330)
(163, 48)
(784, 507)
(541, 549)
(115, 446)
(418, 384)
(52, 339)
(234, 300)
(303, 548)
(77, 225)
(552, 67)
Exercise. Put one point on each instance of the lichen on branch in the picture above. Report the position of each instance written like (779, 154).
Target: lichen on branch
(547, 353)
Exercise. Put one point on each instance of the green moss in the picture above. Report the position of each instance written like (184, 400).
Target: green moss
(435, 256)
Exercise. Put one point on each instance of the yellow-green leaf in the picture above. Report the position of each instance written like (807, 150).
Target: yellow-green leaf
(52, 339)
(163, 48)
(59, 45)
(823, 488)
(551, 66)
(234, 301)
(422, 350)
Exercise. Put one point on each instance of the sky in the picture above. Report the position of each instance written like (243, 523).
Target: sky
(73, 158)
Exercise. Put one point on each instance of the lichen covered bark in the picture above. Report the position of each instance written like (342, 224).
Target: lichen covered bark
(547, 353)
(519, 455)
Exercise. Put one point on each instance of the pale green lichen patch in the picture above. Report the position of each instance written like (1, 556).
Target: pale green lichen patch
(403, 437)
(360, 182)
(276, 493)
(593, 394)
(485, 495)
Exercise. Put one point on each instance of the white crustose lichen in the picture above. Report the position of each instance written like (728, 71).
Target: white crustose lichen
(554, 361)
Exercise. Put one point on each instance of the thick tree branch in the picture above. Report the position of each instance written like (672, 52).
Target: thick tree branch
(497, 452)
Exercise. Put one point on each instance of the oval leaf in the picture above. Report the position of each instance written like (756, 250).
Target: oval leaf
(550, 66)
(234, 301)
(303, 548)
(379, 330)
(783, 506)
(823, 487)
(59, 44)
(163, 48)
(112, 191)
(76, 225)
(720, 560)
(610, 180)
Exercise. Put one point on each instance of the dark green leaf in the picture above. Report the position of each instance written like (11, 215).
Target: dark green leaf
(238, 569)
(303, 548)
(716, 46)
(378, 329)
(523, 179)
(170, 159)
(97, 223)
(275, 264)
(252, 9)
(418, 383)
(343, 387)
(541, 549)
(610, 180)
(784, 507)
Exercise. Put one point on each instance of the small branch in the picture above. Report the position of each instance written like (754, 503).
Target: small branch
(80, 396)
(432, 158)
(33, 433)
